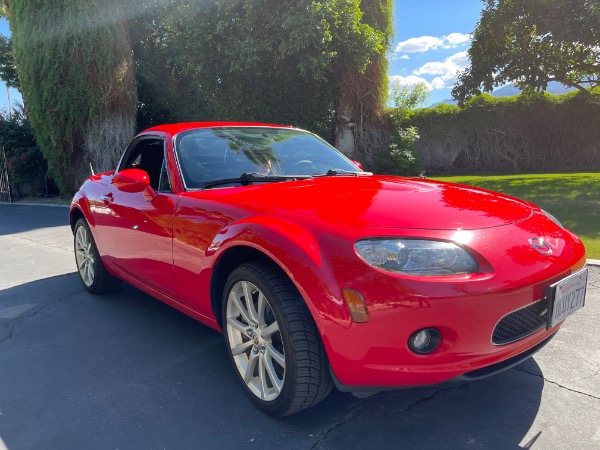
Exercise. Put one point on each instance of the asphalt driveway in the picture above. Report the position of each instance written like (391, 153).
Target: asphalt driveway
(124, 371)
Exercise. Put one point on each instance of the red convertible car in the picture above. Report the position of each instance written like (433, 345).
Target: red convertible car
(319, 273)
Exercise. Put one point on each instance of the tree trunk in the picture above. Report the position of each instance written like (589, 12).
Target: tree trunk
(344, 136)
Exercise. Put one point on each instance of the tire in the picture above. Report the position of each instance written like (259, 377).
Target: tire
(274, 343)
(92, 273)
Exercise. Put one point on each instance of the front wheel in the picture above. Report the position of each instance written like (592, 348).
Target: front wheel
(273, 341)
(91, 270)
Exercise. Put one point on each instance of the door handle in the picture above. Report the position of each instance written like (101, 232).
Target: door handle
(107, 199)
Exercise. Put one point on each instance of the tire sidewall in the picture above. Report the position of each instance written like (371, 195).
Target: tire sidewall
(280, 405)
(82, 223)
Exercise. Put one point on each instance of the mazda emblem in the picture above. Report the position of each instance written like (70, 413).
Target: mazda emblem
(541, 246)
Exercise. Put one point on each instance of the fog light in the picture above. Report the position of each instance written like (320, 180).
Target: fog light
(424, 341)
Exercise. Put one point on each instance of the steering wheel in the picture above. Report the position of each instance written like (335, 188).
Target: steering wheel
(305, 165)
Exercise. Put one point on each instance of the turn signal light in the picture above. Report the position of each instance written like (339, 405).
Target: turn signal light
(356, 305)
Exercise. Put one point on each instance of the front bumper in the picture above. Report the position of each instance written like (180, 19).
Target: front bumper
(464, 309)
(376, 353)
(474, 375)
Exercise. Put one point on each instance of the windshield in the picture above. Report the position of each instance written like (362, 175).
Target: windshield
(210, 154)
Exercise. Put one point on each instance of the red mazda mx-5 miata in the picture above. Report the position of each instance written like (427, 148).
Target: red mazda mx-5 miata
(319, 273)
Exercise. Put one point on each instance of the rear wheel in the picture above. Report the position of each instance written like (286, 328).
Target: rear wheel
(91, 270)
(273, 341)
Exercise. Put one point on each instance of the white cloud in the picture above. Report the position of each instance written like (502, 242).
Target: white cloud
(420, 44)
(409, 80)
(447, 70)
(457, 38)
(447, 80)
(425, 43)
(433, 68)
(405, 57)
(458, 61)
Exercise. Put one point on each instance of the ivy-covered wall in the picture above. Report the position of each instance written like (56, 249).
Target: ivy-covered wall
(499, 135)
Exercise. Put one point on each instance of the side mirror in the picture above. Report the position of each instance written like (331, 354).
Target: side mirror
(133, 181)
(357, 164)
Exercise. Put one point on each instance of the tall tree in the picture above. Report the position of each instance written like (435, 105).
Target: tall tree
(75, 72)
(167, 88)
(8, 70)
(362, 90)
(533, 42)
(272, 61)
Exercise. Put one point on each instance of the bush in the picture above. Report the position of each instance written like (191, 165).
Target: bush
(400, 159)
(27, 168)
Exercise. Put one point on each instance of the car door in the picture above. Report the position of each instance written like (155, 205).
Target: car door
(136, 231)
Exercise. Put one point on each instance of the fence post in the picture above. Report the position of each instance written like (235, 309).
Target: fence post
(5, 195)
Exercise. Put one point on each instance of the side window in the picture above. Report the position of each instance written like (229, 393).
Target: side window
(164, 185)
(135, 163)
(148, 154)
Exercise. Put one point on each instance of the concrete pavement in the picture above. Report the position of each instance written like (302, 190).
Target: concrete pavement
(125, 371)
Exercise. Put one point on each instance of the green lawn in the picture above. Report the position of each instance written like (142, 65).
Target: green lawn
(573, 198)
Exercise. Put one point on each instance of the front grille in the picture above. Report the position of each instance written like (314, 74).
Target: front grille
(521, 323)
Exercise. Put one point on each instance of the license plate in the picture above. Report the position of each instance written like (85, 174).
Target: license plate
(566, 296)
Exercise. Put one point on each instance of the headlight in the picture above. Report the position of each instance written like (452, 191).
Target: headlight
(552, 218)
(416, 257)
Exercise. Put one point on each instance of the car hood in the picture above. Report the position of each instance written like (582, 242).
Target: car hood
(384, 201)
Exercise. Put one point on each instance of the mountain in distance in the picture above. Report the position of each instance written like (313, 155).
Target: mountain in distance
(554, 87)
(448, 101)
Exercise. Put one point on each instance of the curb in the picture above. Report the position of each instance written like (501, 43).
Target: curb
(53, 205)
(593, 262)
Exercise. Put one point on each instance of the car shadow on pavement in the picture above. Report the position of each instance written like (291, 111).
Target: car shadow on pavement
(126, 371)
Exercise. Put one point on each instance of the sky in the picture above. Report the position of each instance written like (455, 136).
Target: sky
(430, 44)
(432, 38)
(15, 97)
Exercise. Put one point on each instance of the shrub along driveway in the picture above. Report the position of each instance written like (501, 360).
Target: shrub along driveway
(125, 371)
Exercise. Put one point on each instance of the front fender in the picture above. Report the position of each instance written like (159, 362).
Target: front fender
(296, 250)
(80, 204)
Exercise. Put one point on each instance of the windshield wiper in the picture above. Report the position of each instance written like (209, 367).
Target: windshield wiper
(334, 172)
(254, 177)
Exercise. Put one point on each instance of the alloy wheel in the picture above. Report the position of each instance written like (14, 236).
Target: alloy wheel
(255, 341)
(84, 256)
